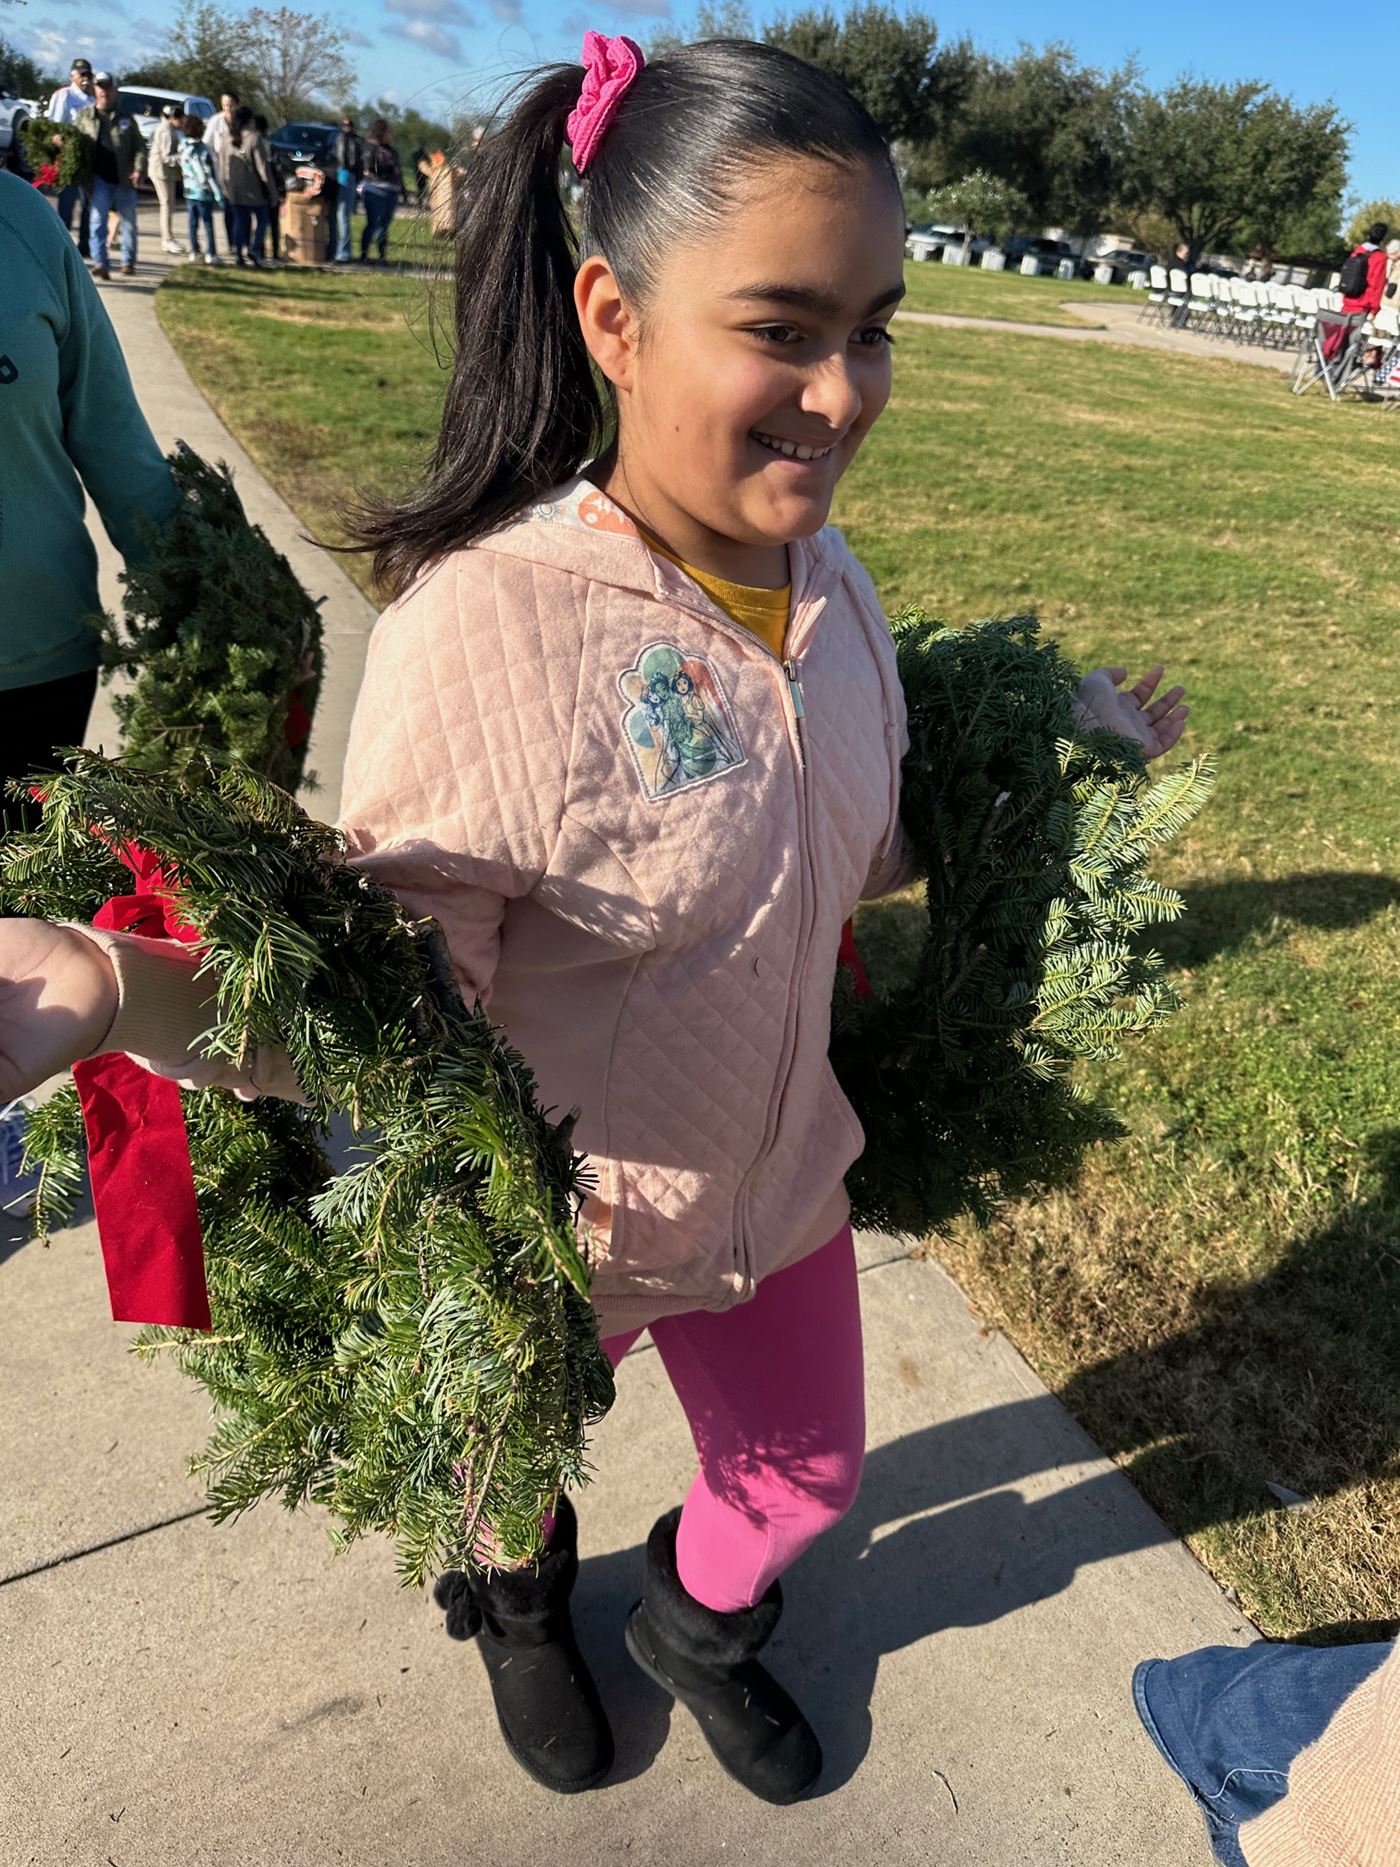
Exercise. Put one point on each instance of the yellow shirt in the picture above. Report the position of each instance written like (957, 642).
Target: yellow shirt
(763, 613)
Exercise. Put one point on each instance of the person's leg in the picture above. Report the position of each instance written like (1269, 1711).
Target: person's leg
(391, 202)
(126, 208)
(85, 224)
(344, 216)
(69, 198)
(34, 721)
(162, 187)
(775, 1395)
(257, 245)
(192, 216)
(102, 196)
(230, 217)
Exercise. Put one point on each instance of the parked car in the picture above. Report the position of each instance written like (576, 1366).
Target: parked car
(1048, 252)
(1121, 260)
(14, 114)
(929, 240)
(146, 102)
(302, 145)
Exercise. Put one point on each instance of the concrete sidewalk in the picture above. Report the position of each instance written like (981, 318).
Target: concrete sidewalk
(185, 1695)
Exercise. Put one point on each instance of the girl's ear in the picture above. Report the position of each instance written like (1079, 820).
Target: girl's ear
(607, 321)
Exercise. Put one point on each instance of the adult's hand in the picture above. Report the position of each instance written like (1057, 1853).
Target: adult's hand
(58, 997)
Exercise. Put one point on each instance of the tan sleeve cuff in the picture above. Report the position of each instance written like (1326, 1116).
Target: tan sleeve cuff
(162, 1008)
(163, 1011)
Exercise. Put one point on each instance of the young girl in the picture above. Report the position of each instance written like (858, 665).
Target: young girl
(632, 734)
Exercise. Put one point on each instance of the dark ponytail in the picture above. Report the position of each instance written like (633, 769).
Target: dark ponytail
(522, 410)
(525, 408)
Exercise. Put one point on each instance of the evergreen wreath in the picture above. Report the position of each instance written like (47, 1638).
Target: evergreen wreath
(407, 1342)
(1034, 837)
(74, 157)
(219, 641)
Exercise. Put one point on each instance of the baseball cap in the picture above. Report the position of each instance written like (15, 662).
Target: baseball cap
(81, 64)
(171, 110)
(103, 77)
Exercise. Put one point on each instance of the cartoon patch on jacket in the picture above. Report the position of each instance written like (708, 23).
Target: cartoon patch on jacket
(679, 726)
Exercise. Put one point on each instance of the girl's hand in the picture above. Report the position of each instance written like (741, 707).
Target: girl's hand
(58, 997)
(1155, 724)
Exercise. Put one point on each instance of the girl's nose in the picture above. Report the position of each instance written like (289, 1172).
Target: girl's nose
(832, 392)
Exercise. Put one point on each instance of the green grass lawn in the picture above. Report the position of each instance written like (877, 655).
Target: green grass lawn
(968, 292)
(1219, 1299)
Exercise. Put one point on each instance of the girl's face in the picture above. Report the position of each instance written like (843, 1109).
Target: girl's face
(768, 334)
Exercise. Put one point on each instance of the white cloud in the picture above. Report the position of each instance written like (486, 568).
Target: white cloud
(643, 9)
(357, 38)
(429, 35)
(509, 12)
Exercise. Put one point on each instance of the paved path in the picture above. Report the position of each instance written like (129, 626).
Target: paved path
(190, 1696)
(1121, 324)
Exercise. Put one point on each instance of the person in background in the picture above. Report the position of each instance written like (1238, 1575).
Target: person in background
(70, 399)
(65, 106)
(383, 184)
(248, 187)
(218, 140)
(348, 163)
(202, 191)
(267, 222)
(119, 161)
(1291, 1753)
(165, 170)
(1362, 284)
(418, 162)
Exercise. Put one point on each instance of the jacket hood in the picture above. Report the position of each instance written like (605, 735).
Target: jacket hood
(614, 553)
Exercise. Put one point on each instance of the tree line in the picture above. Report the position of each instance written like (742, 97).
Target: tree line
(1212, 167)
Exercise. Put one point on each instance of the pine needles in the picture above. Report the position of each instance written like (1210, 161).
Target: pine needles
(409, 1342)
(1035, 839)
(219, 640)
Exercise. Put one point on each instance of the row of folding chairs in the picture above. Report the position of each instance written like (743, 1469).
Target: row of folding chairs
(1247, 311)
(1350, 353)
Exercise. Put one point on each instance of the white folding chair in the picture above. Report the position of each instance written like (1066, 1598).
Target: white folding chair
(1203, 309)
(1155, 304)
(1244, 310)
(1178, 295)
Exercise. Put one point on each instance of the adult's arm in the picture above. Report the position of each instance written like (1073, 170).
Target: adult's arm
(106, 435)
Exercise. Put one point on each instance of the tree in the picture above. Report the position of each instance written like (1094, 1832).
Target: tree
(980, 203)
(21, 76)
(296, 58)
(887, 59)
(409, 128)
(1054, 129)
(1226, 164)
(1366, 216)
(205, 53)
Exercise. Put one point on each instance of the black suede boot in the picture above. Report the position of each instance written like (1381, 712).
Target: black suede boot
(707, 1660)
(546, 1702)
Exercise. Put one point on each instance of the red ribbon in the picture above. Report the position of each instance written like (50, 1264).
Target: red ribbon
(138, 1148)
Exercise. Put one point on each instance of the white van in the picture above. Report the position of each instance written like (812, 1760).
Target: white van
(145, 103)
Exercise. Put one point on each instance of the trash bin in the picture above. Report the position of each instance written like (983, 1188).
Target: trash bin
(1065, 270)
(306, 231)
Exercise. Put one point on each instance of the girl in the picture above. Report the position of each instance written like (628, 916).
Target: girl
(632, 734)
(250, 190)
(202, 191)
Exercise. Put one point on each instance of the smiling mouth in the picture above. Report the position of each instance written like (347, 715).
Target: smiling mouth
(790, 450)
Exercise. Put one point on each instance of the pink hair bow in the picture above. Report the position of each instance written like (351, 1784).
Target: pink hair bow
(610, 67)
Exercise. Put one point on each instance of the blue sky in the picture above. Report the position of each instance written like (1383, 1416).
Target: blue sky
(446, 53)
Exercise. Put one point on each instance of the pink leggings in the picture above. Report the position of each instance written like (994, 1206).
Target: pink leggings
(775, 1395)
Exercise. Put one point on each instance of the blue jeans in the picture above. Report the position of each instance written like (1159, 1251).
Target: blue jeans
(1230, 1721)
(75, 196)
(201, 215)
(344, 214)
(240, 228)
(258, 245)
(107, 196)
(380, 200)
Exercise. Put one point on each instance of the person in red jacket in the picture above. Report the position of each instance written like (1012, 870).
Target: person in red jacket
(1368, 297)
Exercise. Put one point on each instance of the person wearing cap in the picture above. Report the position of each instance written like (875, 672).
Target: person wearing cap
(165, 170)
(65, 106)
(119, 161)
(74, 428)
(219, 140)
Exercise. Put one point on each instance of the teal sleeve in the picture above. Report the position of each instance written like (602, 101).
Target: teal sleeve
(106, 436)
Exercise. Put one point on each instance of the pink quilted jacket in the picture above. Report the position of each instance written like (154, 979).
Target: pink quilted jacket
(641, 833)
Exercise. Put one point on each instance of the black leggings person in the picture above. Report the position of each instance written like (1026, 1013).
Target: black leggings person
(34, 723)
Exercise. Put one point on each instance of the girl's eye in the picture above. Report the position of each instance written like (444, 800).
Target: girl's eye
(876, 335)
(778, 333)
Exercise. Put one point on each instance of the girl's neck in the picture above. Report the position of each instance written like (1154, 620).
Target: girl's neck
(760, 567)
